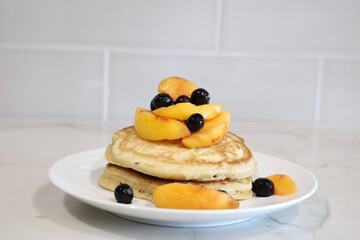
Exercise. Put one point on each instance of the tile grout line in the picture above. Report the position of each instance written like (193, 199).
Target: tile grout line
(105, 109)
(318, 93)
(218, 27)
(185, 52)
(51, 47)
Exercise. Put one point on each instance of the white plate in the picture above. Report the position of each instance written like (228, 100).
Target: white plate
(77, 175)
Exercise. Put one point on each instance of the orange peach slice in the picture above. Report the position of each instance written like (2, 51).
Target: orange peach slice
(224, 117)
(176, 86)
(150, 126)
(186, 196)
(182, 111)
(212, 133)
(283, 184)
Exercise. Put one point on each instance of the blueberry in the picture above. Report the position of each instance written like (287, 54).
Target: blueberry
(123, 193)
(223, 191)
(152, 106)
(182, 99)
(263, 187)
(161, 100)
(200, 96)
(195, 122)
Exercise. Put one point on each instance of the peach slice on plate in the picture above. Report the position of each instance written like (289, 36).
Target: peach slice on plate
(150, 126)
(283, 184)
(182, 111)
(212, 133)
(186, 196)
(176, 86)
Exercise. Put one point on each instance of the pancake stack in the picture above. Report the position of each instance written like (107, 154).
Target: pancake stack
(145, 165)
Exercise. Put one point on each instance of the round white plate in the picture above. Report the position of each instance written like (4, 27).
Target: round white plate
(77, 175)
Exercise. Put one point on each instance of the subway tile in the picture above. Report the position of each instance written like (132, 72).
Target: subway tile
(163, 24)
(252, 89)
(308, 26)
(341, 93)
(50, 85)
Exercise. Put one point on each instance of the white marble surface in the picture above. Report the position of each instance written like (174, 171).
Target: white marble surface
(32, 207)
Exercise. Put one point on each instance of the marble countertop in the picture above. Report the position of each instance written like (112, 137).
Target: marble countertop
(33, 207)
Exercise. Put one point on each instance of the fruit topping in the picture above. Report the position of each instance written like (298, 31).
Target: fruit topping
(161, 100)
(123, 193)
(283, 184)
(200, 96)
(182, 111)
(152, 106)
(176, 87)
(182, 99)
(210, 111)
(176, 114)
(195, 122)
(263, 187)
(212, 133)
(150, 126)
(186, 196)
(222, 191)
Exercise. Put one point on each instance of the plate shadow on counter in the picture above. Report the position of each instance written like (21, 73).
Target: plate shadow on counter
(71, 213)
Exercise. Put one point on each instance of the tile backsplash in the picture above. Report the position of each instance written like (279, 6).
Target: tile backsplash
(50, 85)
(292, 25)
(287, 62)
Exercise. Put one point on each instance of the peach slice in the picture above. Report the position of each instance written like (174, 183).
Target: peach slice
(224, 117)
(176, 86)
(283, 184)
(186, 196)
(150, 126)
(212, 133)
(182, 111)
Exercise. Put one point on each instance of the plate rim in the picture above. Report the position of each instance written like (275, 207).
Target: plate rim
(280, 205)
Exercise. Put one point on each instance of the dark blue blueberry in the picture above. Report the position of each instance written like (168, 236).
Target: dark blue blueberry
(200, 96)
(263, 187)
(161, 100)
(123, 193)
(195, 122)
(182, 99)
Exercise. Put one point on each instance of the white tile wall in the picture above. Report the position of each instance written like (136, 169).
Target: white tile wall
(157, 23)
(293, 25)
(266, 61)
(50, 85)
(341, 93)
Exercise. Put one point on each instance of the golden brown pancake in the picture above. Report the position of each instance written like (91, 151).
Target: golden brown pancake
(143, 185)
(229, 159)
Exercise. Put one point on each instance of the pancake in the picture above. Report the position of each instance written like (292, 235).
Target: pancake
(143, 185)
(229, 159)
